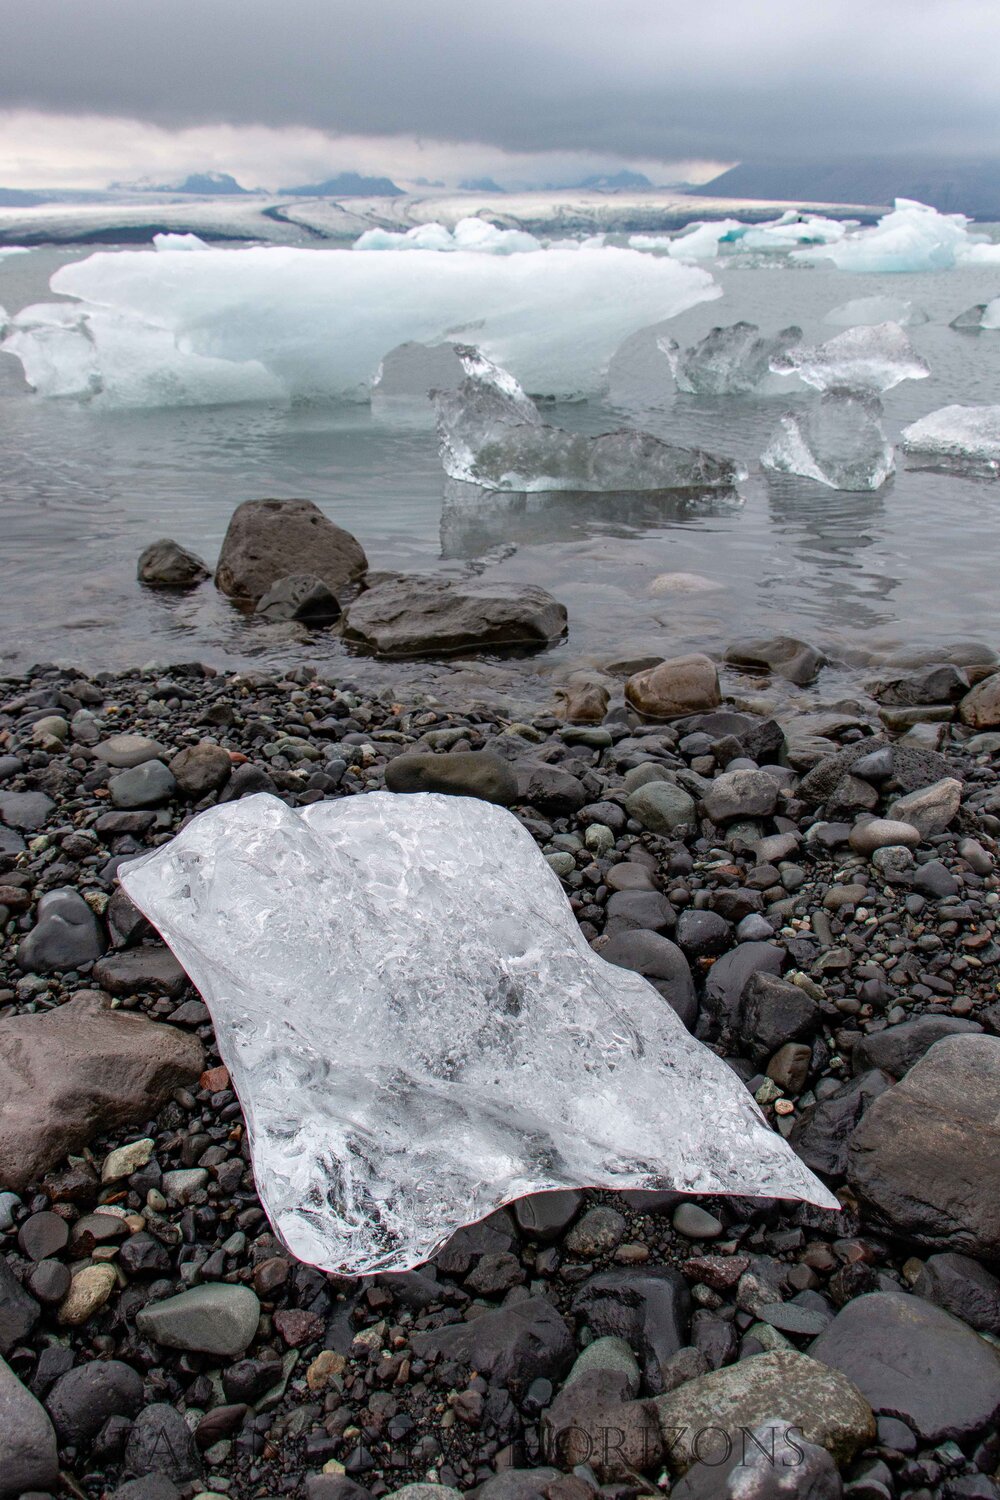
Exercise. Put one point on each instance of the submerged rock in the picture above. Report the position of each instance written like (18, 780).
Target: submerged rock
(270, 539)
(426, 616)
(682, 685)
(167, 565)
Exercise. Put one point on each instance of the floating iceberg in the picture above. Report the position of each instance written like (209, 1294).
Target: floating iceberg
(840, 442)
(418, 1031)
(165, 242)
(727, 361)
(971, 320)
(870, 358)
(9, 250)
(698, 242)
(268, 323)
(469, 234)
(868, 310)
(913, 237)
(703, 240)
(493, 436)
(957, 432)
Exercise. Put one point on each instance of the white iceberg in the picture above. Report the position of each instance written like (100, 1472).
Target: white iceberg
(697, 242)
(840, 443)
(703, 240)
(872, 358)
(869, 310)
(477, 235)
(418, 1032)
(10, 250)
(278, 323)
(728, 361)
(493, 436)
(913, 237)
(957, 432)
(165, 242)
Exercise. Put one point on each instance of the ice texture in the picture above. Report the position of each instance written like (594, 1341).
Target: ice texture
(477, 235)
(418, 1031)
(727, 361)
(957, 432)
(704, 240)
(868, 310)
(991, 314)
(839, 442)
(493, 436)
(912, 237)
(872, 358)
(165, 242)
(266, 323)
(8, 250)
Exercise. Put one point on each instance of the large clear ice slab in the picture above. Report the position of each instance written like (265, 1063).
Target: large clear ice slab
(728, 361)
(912, 237)
(869, 310)
(839, 442)
(492, 435)
(875, 358)
(961, 433)
(269, 323)
(418, 1032)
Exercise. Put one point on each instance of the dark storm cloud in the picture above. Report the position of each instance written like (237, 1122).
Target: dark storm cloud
(639, 78)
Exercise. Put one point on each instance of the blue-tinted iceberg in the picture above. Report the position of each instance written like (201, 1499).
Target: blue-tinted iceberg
(418, 1032)
(913, 237)
(705, 240)
(266, 323)
(493, 436)
(840, 442)
(870, 358)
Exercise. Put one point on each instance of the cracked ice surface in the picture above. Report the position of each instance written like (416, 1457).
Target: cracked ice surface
(418, 1032)
(958, 432)
(267, 323)
(493, 436)
(728, 361)
(874, 357)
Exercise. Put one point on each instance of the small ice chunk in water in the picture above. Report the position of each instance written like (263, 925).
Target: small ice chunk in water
(7, 250)
(868, 310)
(970, 319)
(958, 432)
(166, 242)
(493, 436)
(727, 361)
(839, 442)
(870, 358)
(419, 1032)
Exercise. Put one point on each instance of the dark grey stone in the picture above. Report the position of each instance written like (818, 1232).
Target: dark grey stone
(299, 596)
(460, 773)
(649, 1309)
(66, 934)
(84, 1398)
(661, 962)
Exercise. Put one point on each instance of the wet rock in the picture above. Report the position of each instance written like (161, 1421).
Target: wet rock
(740, 794)
(66, 934)
(42, 1235)
(696, 1223)
(162, 1443)
(703, 934)
(427, 616)
(267, 540)
(544, 1216)
(730, 975)
(912, 767)
(84, 1398)
(898, 1048)
(883, 833)
(681, 685)
(88, 1291)
(25, 810)
(782, 655)
(577, 1428)
(512, 1345)
(648, 1309)
(819, 1401)
(963, 1287)
(599, 1232)
(29, 1460)
(217, 1319)
(583, 699)
(925, 1159)
(980, 708)
(773, 1011)
(549, 788)
(19, 1312)
(300, 596)
(462, 773)
(822, 1133)
(940, 683)
(770, 1462)
(69, 1074)
(661, 962)
(149, 784)
(200, 769)
(913, 1360)
(931, 809)
(661, 807)
(610, 1354)
(167, 565)
(645, 910)
(789, 1067)
(124, 751)
(150, 968)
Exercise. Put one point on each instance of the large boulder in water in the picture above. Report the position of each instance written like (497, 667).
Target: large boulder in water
(426, 616)
(682, 685)
(270, 539)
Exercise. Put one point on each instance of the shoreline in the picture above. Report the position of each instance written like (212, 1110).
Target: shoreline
(859, 959)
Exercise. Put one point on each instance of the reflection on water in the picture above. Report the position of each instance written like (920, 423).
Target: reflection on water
(83, 492)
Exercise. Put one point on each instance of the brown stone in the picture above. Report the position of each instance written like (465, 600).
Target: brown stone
(418, 615)
(682, 685)
(201, 768)
(582, 699)
(981, 707)
(70, 1074)
(269, 539)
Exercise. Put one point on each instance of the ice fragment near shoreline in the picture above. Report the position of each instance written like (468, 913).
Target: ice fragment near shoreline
(727, 361)
(840, 442)
(957, 432)
(868, 310)
(913, 237)
(269, 323)
(419, 1032)
(872, 358)
(493, 436)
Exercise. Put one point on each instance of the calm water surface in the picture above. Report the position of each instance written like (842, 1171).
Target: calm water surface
(82, 491)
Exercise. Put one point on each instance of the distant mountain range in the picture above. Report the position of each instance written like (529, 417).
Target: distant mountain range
(347, 185)
(969, 187)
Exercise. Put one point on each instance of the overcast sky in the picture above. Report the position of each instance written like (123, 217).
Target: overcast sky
(271, 89)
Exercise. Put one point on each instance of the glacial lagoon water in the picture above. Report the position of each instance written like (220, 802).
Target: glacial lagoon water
(83, 490)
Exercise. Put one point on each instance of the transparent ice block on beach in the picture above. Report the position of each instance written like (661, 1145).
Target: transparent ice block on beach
(418, 1032)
